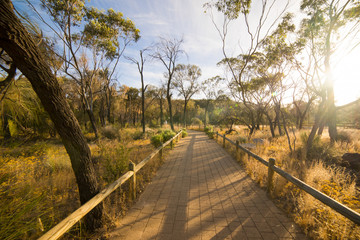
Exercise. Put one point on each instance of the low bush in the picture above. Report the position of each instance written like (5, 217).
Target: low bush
(184, 133)
(167, 135)
(110, 132)
(114, 160)
(162, 137)
(156, 140)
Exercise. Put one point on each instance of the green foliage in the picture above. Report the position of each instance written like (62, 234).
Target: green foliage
(156, 140)
(104, 29)
(162, 137)
(167, 135)
(196, 121)
(110, 132)
(137, 135)
(154, 124)
(209, 129)
(231, 8)
(184, 133)
(115, 160)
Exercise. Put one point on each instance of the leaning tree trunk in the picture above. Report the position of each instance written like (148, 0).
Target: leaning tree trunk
(18, 44)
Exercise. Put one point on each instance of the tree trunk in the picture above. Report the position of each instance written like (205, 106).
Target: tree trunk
(170, 111)
(206, 110)
(18, 44)
(143, 109)
(270, 124)
(92, 121)
(277, 119)
(319, 118)
(109, 102)
(161, 112)
(185, 104)
(6, 129)
(329, 84)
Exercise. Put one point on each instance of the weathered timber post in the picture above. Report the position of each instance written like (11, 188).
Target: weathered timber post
(237, 149)
(161, 152)
(172, 144)
(133, 182)
(224, 140)
(270, 183)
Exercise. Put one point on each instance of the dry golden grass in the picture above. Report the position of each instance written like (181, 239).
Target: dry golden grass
(322, 173)
(38, 187)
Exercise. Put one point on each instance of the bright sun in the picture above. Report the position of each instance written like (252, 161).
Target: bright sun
(347, 79)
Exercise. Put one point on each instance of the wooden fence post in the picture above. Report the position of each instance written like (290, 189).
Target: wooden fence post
(224, 140)
(270, 183)
(237, 149)
(217, 135)
(161, 152)
(133, 182)
(172, 144)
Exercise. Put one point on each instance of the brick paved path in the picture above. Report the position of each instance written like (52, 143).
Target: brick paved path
(202, 193)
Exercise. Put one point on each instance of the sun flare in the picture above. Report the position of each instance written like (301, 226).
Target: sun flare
(347, 79)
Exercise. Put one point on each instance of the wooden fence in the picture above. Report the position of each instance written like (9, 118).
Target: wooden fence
(73, 218)
(332, 203)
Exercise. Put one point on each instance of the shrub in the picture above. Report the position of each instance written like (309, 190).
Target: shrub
(208, 129)
(115, 160)
(154, 124)
(242, 139)
(184, 133)
(344, 137)
(110, 132)
(167, 135)
(137, 135)
(156, 140)
(162, 137)
(196, 121)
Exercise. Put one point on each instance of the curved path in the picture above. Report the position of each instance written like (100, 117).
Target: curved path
(202, 193)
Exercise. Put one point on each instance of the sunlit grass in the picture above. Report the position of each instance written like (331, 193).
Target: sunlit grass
(321, 172)
(38, 187)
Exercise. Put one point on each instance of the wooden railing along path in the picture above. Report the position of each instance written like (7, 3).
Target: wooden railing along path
(62, 227)
(332, 203)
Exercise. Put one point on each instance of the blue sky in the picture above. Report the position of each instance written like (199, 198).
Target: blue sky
(175, 18)
(187, 19)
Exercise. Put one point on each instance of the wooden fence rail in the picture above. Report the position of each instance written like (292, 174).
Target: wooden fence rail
(332, 203)
(73, 218)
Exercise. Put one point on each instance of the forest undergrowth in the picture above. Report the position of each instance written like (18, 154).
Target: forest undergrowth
(38, 187)
(323, 172)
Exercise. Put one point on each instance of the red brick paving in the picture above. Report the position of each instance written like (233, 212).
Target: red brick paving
(202, 193)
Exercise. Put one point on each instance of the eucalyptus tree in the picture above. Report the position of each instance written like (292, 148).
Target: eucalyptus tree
(321, 28)
(160, 94)
(210, 88)
(25, 54)
(84, 29)
(168, 51)
(140, 65)
(186, 81)
(240, 67)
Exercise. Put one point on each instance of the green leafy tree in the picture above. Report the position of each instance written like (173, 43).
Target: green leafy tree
(211, 91)
(186, 82)
(321, 29)
(98, 32)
